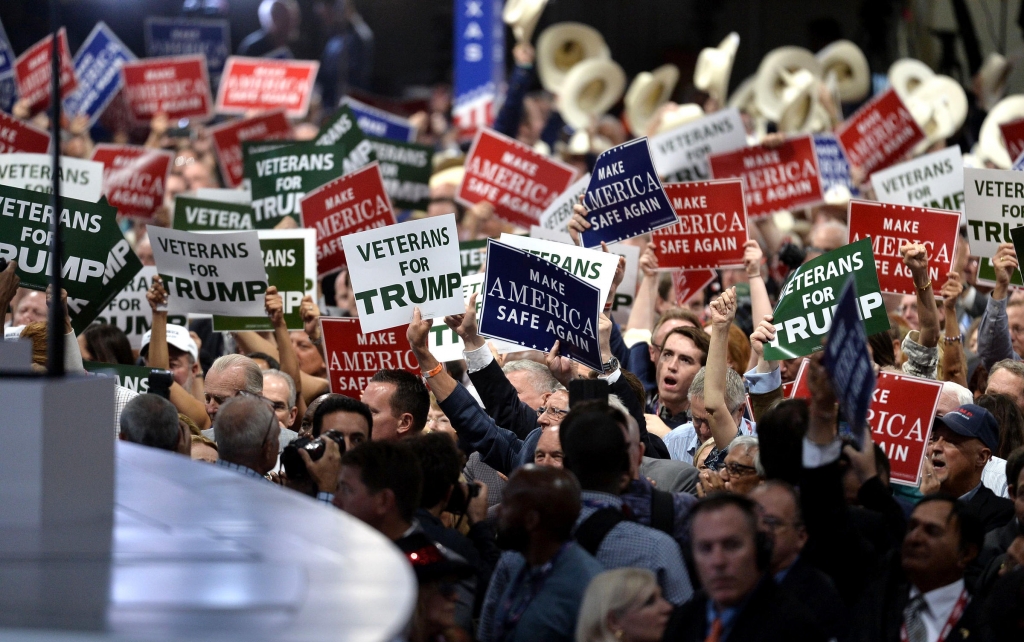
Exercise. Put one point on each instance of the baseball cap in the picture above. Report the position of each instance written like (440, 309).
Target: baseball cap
(431, 561)
(970, 420)
(177, 336)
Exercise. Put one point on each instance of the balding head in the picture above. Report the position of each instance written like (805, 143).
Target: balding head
(952, 396)
(247, 433)
(538, 502)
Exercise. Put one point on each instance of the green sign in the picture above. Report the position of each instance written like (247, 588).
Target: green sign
(198, 215)
(340, 129)
(97, 263)
(406, 169)
(135, 378)
(280, 177)
(803, 316)
(289, 257)
(987, 274)
(473, 255)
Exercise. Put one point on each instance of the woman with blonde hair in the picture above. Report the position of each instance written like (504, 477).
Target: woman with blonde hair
(625, 605)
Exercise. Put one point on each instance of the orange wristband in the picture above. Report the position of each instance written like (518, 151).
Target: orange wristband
(433, 372)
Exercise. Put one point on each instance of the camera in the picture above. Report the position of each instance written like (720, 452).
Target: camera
(160, 383)
(462, 494)
(293, 465)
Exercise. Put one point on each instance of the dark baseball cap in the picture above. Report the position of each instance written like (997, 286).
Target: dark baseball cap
(970, 420)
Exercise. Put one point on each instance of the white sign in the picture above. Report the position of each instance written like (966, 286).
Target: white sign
(681, 154)
(445, 344)
(80, 179)
(399, 267)
(222, 195)
(211, 272)
(994, 200)
(557, 216)
(935, 181)
(131, 312)
(594, 266)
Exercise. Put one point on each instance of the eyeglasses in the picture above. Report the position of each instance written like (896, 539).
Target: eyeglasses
(220, 399)
(739, 470)
(775, 523)
(551, 410)
(700, 421)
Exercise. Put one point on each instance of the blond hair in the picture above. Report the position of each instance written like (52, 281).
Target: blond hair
(612, 593)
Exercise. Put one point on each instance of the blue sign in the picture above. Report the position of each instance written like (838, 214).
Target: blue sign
(625, 197)
(479, 61)
(849, 364)
(532, 302)
(379, 123)
(1018, 164)
(8, 93)
(185, 36)
(98, 69)
(7, 56)
(832, 164)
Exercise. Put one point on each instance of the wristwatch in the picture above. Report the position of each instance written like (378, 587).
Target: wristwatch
(609, 366)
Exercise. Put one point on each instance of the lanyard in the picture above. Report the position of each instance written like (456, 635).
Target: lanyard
(954, 617)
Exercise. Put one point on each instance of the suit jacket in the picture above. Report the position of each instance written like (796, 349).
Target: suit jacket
(769, 615)
(670, 475)
(815, 590)
(993, 510)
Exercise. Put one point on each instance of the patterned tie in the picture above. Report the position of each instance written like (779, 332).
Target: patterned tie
(716, 631)
(912, 619)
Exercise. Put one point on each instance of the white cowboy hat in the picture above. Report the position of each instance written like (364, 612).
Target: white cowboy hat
(590, 89)
(582, 143)
(672, 115)
(992, 76)
(907, 74)
(991, 146)
(799, 102)
(648, 92)
(714, 67)
(742, 98)
(847, 62)
(770, 82)
(560, 47)
(522, 16)
(939, 105)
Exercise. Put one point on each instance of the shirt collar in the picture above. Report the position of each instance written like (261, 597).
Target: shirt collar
(940, 601)
(969, 495)
(601, 500)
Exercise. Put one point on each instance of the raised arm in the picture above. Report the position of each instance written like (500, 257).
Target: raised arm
(915, 257)
(723, 427)
(641, 316)
(273, 303)
(753, 257)
(954, 361)
(994, 343)
(159, 356)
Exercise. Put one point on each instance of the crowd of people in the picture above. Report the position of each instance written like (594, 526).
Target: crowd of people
(537, 499)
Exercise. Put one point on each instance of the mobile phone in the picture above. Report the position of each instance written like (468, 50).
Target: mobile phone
(587, 389)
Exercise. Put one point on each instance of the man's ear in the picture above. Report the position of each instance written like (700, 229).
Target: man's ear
(384, 502)
(405, 422)
(544, 398)
(983, 457)
(651, 351)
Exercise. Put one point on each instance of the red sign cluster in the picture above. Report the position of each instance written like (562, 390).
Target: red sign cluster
(712, 226)
(175, 85)
(134, 178)
(353, 357)
(18, 136)
(775, 178)
(880, 133)
(32, 70)
(227, 139)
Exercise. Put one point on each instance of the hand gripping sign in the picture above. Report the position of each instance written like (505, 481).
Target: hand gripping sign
(889, 227)
(625, 197)
(399, 267)
(227, 140)
(711, 227)
(517, 181)
(533, 302)
(880, 133)
(803, 315)
(130, 311)
(353, 357)
(776, 178)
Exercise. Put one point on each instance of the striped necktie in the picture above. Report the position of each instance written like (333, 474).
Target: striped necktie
(912, 619)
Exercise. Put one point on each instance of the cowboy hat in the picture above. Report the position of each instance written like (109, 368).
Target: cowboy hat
(939, 105)
(648, 92)
(714, 67)
(847, 62)
(992, 79)
(671, 115)
(770, 82)
(560, 47)
(991, 146)
(589, 90)
(582, 143)
(907, 74)
(522, 16)
(799, 101)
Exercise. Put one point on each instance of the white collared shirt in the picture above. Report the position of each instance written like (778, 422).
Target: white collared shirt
(940, 603)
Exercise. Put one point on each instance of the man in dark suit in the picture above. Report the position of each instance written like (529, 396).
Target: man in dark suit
(962, 444)
(740, 600)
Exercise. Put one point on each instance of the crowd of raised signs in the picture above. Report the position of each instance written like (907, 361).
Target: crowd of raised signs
(612, 368)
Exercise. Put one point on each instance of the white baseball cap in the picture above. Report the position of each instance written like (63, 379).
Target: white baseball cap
(178, 337)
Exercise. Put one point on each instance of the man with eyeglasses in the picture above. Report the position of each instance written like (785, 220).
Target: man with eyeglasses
(228, 376)
(247, 433)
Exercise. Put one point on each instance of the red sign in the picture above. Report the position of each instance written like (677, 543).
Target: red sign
(1013, 134)
(687, 283)
(778, 178)
(262, 84)
(18, 136)
(175, 85)
(353, 357)
(892, 226)
(134, 178)
(227, 140)
(799, 388)
(353, 203)
(900, 416)
(32, 71)
(880, 133)
(787, 389)
(712, 226)
(518, 181)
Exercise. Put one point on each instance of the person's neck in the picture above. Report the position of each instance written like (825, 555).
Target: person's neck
(437, 509)
(541, 550)
(784, 564)
(675, 406)
(393, 527)
(251, 463)
(928, 582)
(962, 486)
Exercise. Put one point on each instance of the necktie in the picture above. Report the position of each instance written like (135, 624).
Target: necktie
(716, 631)
(912, 619)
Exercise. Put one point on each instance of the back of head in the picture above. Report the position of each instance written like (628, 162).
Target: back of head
(553, 492)
(594, 448)
(331, 403)
(881, 348)
(272, 363)
(612, 593)
(152, 421)
(36, 333)
(538, 374)
(1010, 419)
(240, 428)
(1014, 466)
(411, 396)
(780, 434)
(441, 464)
(389, 465)
(735, 389)
(739, 349)
(108, 344)
(677, 314)
(252, 375)
(963, 395)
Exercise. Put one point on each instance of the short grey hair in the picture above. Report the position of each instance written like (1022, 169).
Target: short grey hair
(240, 428)
(1011, 366)
(287, 378)
(152, 421)
(253, 382)
(735, 391)
(538, 374)
(750, 442)
(963, 395)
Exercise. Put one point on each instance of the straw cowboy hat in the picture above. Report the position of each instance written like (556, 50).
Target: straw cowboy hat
(771, 77)
(522, 16)
(714, 67)
(589, 90)
(991, 146)
(907, 74)
(560, 47)
(939, 105)
(582, 143)
(849, 65)
(648, 92)
(799, 101)
(671, 115)
(992, 79)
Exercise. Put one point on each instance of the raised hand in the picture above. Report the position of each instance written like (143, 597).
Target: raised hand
(157, 295)
(915, 257)
(419, 330)
(648, 261)
(273, 303)
(763, 333)
(310, 313)
(563, 369)
(752, 257)
(723, 309)
(951, 290)
(465, 326)
(578, 223)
